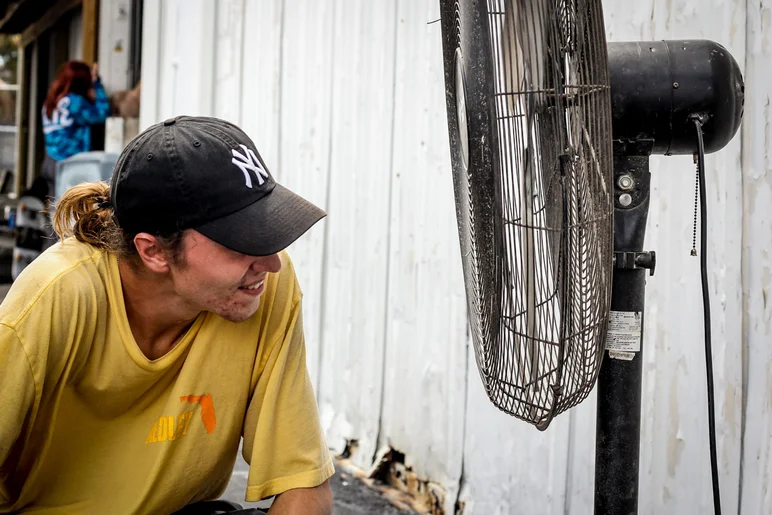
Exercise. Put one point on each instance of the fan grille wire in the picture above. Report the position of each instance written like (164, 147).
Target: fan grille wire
(554, 225)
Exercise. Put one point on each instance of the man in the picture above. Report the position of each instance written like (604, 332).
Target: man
(163, 328)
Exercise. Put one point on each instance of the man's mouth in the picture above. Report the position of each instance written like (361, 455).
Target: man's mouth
(254, 286)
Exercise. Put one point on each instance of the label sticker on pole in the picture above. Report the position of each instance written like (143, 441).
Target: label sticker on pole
(624, 334)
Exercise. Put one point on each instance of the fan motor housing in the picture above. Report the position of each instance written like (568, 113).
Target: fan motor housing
(658, 87)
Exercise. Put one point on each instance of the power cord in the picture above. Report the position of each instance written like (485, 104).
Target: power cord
(706, 313)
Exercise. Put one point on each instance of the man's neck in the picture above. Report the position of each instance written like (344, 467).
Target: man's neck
(157, 316)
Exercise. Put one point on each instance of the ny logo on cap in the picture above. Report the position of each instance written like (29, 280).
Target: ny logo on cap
(249, 161)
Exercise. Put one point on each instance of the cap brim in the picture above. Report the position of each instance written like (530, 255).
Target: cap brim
(266, 226)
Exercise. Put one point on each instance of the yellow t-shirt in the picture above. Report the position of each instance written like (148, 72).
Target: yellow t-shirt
(88, 424)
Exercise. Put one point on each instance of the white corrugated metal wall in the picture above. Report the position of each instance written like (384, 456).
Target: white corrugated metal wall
(345, 100)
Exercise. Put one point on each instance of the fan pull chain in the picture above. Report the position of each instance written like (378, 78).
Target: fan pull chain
(696, 202)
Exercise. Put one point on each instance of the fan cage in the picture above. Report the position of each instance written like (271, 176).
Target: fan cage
(539, 327)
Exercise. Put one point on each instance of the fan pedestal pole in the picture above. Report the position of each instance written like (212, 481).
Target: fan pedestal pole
(618, 429)
(657, 90)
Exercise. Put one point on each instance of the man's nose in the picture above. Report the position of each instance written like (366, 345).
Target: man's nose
(271, 264)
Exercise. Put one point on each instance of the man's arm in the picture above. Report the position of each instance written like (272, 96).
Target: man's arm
(284, 442)
(306, 501)
(17, 396)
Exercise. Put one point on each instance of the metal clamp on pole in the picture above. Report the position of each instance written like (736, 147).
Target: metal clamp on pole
(635, 260)
(618, 427)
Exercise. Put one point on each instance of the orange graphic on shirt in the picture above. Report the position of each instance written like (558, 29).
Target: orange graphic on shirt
(207, 409)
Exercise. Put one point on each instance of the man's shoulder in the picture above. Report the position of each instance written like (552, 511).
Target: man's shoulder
(287, 277)
(282, 289)
(65, 261)
(67, 272)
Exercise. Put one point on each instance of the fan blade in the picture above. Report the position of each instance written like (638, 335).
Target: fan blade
(523, 45)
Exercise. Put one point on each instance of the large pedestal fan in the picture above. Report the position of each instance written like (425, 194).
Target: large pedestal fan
(551, 130)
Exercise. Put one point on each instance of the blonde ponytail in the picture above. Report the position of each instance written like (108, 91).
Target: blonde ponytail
(85, 212)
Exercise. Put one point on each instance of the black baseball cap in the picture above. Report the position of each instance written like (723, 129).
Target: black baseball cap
(203, 173)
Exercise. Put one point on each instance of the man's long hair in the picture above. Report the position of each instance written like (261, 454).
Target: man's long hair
(85, 213)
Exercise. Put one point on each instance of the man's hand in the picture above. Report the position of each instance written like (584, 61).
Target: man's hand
(304, 501)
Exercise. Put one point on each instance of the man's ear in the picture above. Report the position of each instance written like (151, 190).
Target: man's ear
(151, 253)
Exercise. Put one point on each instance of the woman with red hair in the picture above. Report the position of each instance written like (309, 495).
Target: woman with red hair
(76, 100)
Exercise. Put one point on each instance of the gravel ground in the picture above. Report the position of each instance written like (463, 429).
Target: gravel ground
(352, 497)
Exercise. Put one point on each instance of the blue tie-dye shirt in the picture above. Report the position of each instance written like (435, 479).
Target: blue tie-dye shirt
(68, 129)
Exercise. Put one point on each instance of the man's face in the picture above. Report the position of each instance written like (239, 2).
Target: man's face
(213, 278)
